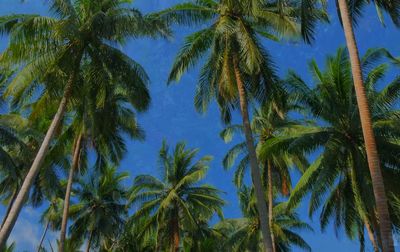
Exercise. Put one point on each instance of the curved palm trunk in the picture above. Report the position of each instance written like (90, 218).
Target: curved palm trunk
(75, 162)
(43, 236)
(10, 204)
(255, 171)
(270, 204)
(89, 241)
(369, 138)
(34, 170)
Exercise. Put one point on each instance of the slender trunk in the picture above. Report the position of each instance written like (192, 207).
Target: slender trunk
(43, 236)
(255, 171)
(10, 204)
(75, 161)
(369, 138)
(371, 235)
(89, 241)
(175, 232)
(34, 170)
(270, 203)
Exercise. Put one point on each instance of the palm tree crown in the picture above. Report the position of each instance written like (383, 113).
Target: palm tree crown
(344, 179)
(177, 202)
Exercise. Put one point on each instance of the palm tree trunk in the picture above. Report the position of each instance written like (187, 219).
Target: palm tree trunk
(34, 170)
(89, 241)
(43, 236)
(255, 171)
(369, 138)
(270, 203)
(75, 161)
(10, 204)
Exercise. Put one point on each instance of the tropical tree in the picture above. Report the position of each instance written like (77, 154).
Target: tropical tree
(341, 169)
(49, 51)
(348, 16)
(268, 122)
(111, 102)
(101, 209)
(132, 237)
(238, 67)
(12, 144)
(22, 137)
(72, 245)
(51, 218)
(243, 234)
(175, 202)
(202, 237)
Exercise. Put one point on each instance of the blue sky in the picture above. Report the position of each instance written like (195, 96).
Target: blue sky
(172, 115)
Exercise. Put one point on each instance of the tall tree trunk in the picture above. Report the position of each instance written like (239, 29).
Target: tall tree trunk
(89, 241)
(34, 170)
(75, 161)
(43, 236)
(175, 232)
(10, 204)
(255, 171)
(369, 138)
(270, 203)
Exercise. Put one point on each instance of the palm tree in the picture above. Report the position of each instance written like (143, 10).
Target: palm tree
(346, 16)
(72, 245)
(13, 149)
(243, 234)
(113, 102)
(176, 201)
(341, 169)
(22, 137)
(267, 123)
(202, 238)
(100, 212)
(51, 218)
(50, 50)
(133, 239)
(238, 68)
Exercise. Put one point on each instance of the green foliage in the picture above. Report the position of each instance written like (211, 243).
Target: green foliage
(243, 234)
(234, 31)
(343, 188)
(79, 44)
(177, 200)
(48, 51)
(101, 210)
(20, 140)
(270, 121)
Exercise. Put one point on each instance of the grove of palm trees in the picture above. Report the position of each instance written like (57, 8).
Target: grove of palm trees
(200, 125)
